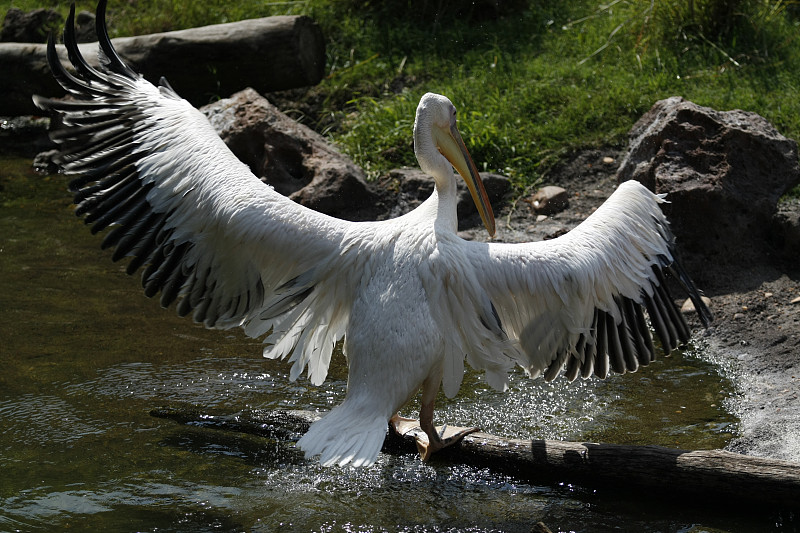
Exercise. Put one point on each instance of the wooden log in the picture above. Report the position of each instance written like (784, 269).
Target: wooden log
(268, 54)
(715, 475)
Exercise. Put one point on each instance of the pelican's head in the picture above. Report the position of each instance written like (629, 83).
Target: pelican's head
(438, 145)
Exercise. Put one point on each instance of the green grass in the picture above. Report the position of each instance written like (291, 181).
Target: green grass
(536, 87)
(534, 82)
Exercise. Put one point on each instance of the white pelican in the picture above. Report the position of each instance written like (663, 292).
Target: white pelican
(410, 298)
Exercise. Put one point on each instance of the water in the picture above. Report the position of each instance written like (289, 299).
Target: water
(86, 357)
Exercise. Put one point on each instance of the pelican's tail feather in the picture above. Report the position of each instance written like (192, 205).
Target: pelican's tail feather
(345, 436)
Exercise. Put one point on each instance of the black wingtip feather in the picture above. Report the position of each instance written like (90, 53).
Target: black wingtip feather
(73, 52)
(625, 333)
(695, 295)
(676, 318)
(64, 78)
(129, 224)
(134, 230)
(573, 368)
(615, 351)
(590, 350)
(184, 307)
(601, 349)
(116, 205)
(115, 63)
(172, 286)
(643, 339)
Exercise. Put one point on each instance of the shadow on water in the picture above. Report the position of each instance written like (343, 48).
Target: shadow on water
(86, 357)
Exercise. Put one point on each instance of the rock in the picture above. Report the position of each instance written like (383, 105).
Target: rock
(497, 187)
(201, 64)
(723, 173)
(294, 159)
(784, 232)
(549, 200)
(29, 27)
(25, 136)
(410, 187)
(688, 306)
(44, 162)
(85, 27)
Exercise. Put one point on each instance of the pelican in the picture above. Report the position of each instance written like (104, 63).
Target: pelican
(409, 298)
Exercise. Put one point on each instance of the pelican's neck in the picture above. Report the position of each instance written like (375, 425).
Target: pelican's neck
(440, 212)
(444, 199)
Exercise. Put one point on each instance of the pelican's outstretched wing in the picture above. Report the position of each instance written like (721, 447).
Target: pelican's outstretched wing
(576, 303)
(228, 248)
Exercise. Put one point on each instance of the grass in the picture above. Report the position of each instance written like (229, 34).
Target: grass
(533, 81)
(538, 86)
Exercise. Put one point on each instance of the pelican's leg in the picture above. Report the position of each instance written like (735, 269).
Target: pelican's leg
(435, 438)
(438, 438)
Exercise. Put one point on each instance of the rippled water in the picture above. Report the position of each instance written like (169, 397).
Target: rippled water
(86, 357)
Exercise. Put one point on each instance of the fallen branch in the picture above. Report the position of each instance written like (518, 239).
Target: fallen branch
(267, 54)
(714, 474)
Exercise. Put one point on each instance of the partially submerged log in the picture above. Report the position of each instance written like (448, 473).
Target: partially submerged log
(714, 474)
(268, 54)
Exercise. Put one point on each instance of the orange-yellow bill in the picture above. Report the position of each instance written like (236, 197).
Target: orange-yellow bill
(452, 147)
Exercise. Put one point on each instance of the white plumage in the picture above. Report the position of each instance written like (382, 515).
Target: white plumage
(410, 299)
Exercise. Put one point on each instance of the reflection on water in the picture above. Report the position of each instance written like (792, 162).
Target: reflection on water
(86, 357)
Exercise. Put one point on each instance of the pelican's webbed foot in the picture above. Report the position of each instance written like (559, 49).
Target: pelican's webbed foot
(429, 439)
(439, 438)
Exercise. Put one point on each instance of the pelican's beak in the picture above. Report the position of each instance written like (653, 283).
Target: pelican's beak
(452, 147)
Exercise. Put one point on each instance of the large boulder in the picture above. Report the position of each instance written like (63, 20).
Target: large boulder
(294, 159)
(723, 173)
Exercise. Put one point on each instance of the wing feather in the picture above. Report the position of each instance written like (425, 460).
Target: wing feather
(229, 249)
(575, 304)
